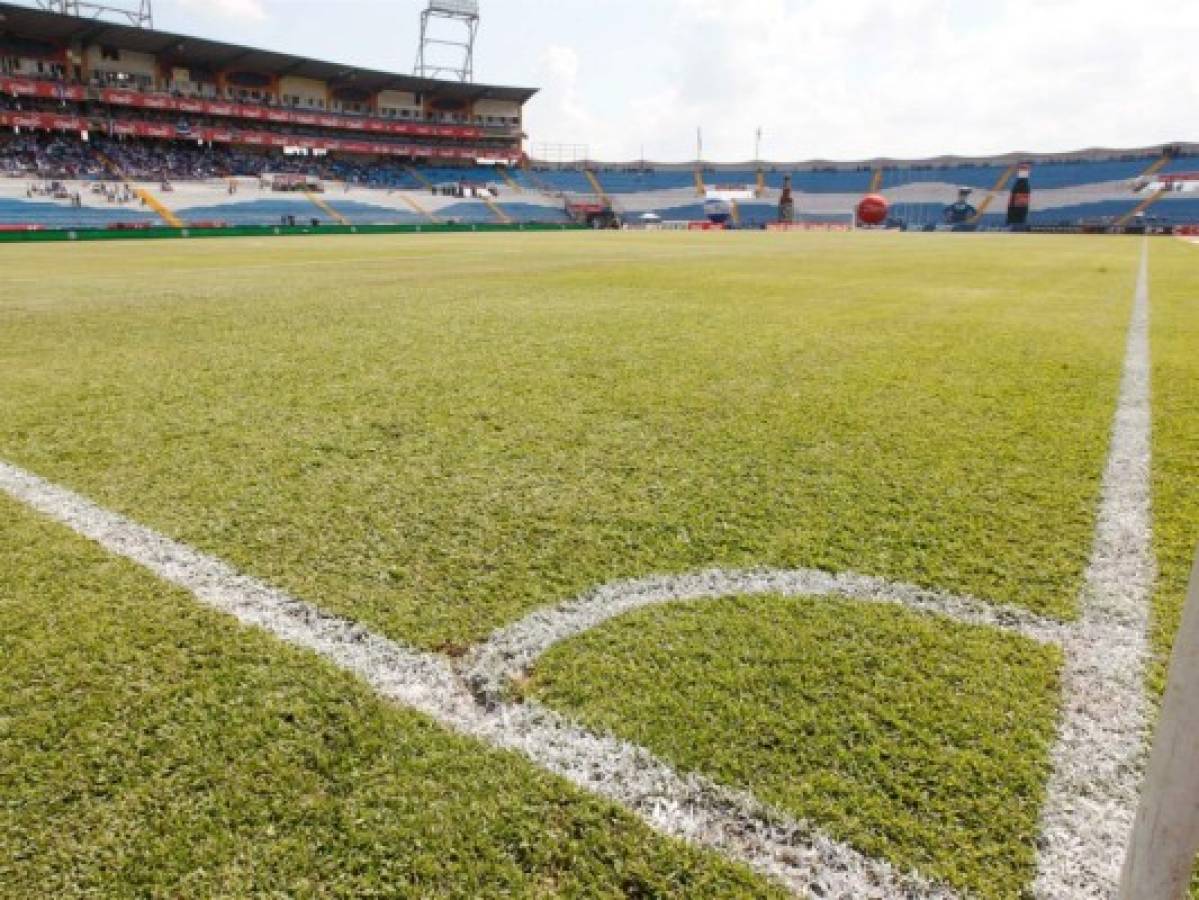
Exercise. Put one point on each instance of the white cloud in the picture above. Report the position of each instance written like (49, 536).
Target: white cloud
(560, 101)
(840, 79)
(238, 10)
(859, 78)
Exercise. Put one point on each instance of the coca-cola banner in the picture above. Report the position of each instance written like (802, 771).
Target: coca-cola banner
(49, 90)
(22, 87)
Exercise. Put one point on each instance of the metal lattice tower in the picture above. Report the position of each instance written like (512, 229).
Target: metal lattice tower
(137, 13)
(448, 27)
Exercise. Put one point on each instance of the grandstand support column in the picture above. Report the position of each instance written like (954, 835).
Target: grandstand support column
(735, 211)
(876, 181)
(700, 189)
(323, 205)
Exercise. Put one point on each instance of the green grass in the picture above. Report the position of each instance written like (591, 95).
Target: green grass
(1175, 336)
(917, 739)
(151, 748)
(436, 435)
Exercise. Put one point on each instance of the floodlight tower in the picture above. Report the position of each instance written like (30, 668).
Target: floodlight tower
(137, 13)
(453, 24)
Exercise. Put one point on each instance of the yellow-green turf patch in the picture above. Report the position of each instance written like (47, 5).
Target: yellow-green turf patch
(1175, 292)
(915, 738)
(149, 747)
(436, 435)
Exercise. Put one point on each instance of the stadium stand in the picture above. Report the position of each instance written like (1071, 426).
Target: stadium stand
(245, 185)
(106, 125)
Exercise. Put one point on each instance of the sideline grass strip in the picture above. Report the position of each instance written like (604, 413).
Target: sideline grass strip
(149, 747)
(437, 436)
(1176, 435)
(912, 737)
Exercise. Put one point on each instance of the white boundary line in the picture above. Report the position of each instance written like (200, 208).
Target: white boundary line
(1097, 763)
(509, 652)
(1099, 758)
(689, 807)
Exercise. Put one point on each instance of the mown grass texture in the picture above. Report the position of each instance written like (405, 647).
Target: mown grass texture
(914, 738)
(152, 748)
(1175, 336)
(436, 435)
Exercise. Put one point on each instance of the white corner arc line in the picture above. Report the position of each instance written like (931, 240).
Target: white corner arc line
(1097, 761)
(511, 651)
(688, 807)
(1099, 757)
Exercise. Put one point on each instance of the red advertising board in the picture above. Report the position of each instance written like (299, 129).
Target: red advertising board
(23, 87)
(50, 90)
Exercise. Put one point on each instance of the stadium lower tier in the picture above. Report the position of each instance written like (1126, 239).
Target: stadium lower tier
(59, 181)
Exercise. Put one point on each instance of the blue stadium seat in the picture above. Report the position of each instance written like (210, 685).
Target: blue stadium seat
(54, 215)
(571, 181)
(1182, 164)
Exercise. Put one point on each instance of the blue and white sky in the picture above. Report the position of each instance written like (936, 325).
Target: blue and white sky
(834, 79)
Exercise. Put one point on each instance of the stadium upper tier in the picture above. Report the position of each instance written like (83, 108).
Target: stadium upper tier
(63, 73)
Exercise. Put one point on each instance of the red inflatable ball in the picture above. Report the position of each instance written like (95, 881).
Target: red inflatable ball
(873, 210)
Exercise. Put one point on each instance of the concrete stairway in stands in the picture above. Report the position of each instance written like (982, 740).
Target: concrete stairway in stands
(323, 205)
(509, 180)
(1140, 208)
(1157, 165)
(164, 212)
(420, 179)
(1000, 184)
(596, 186)
(416, 206)
(497, 211)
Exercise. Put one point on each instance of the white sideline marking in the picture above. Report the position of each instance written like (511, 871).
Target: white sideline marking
(1092, 793)
(509, 652)
(684, 806)
(1099, 758)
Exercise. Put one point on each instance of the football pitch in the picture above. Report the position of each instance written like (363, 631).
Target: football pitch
(588, 564)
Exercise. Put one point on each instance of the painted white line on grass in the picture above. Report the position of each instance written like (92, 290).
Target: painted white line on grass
(689, 807)
(1099, 757)
(1097, 762)
(511, 651)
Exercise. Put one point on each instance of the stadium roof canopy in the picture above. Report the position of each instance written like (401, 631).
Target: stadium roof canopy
(215, 55)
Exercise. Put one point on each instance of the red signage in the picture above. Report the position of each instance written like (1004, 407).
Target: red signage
(21, 87)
